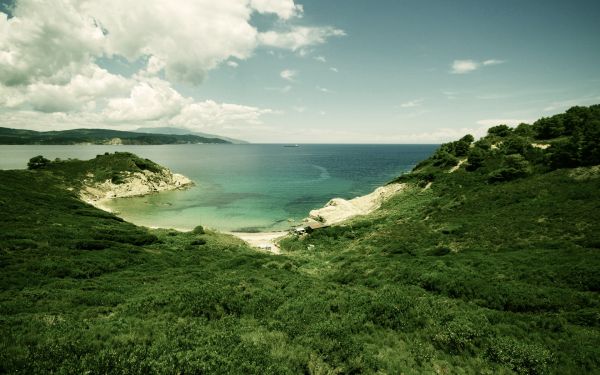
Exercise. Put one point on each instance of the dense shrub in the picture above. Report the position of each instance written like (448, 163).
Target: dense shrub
(38, 162)
(199, 229)
(513, 166)
(476, 159)
(500, 130)
(520, 357)
(92, 245)
(444, 159)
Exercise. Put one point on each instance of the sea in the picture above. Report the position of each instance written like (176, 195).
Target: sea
(245, 188)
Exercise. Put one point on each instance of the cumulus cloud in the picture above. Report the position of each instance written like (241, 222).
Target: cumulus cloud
(49, 53)
(467, 66)
(207, 114)
(284, 9)
(298, 37)
(187, 37)
(84, 90)
(288, 74)
(46, 39)
(149, 100)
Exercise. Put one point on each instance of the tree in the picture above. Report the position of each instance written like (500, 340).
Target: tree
(476, 159)
(516, 145)
(37, 162)
(444, 159)
(549, 127)
(524, 130)
(513, 166)
(500, 130)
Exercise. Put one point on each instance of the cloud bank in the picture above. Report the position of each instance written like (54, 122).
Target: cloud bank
(51, 55)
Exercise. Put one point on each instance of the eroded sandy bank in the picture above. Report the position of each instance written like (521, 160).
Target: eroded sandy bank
(338, 210)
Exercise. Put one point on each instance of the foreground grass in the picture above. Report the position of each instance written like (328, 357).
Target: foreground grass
(451, 279)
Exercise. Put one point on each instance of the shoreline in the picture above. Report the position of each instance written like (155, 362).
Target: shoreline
(336, 211)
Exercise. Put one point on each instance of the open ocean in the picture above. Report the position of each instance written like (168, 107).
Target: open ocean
(252, 187)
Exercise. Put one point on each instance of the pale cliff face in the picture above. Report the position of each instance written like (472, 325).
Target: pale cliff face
(135, 184)
(338, 209)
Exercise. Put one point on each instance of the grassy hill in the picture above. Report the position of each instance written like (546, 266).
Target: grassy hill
(490, 269)
(97, 136)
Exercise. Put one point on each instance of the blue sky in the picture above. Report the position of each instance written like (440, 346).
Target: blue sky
(312, 71)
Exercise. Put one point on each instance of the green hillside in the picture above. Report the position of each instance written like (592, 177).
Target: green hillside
(96, 136)
(491, 269)
(183, 131)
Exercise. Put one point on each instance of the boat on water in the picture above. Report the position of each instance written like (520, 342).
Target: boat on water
(291, 145)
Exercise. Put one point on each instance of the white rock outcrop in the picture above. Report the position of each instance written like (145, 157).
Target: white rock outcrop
(338, 209)
(134, 184)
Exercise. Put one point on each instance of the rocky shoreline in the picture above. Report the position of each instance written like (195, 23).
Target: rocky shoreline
(133, 184)
(338, 210)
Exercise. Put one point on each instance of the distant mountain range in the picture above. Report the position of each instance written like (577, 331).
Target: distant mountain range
(182, 131)
(158, 136)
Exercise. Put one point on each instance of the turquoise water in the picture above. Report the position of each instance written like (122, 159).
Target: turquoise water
(245, 187)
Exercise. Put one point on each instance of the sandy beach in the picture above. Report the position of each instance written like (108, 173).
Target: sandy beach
(263, 240)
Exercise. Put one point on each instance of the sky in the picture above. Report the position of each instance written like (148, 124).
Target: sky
(306, 71)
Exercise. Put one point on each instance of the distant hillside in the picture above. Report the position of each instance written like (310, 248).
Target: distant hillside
(97, 136)
(182, 131)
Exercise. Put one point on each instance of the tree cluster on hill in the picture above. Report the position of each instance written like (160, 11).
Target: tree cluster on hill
(566, 140)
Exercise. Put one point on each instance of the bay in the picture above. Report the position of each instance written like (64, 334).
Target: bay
(255, 187)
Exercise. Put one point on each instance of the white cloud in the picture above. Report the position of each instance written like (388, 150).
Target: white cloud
(298, 37)
(191, 37)
(85, 90)
(285, 9)
(467, 66)
(335, 70)
(46, 39)
(210, 115)
(464, 66)
(493, 62)
(323, 89)
(149, 100)
(506, 121)
(53, 39)
(412, 103)
(321, 59)
(566, 104)
(450, 95)
(49, 52)
(436, 136)
(288, 74)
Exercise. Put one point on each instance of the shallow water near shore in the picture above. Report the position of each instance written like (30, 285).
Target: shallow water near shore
(247, 188)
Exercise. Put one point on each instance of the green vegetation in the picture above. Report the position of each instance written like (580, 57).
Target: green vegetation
(491, 269)
(97, 136)
(114, 167)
